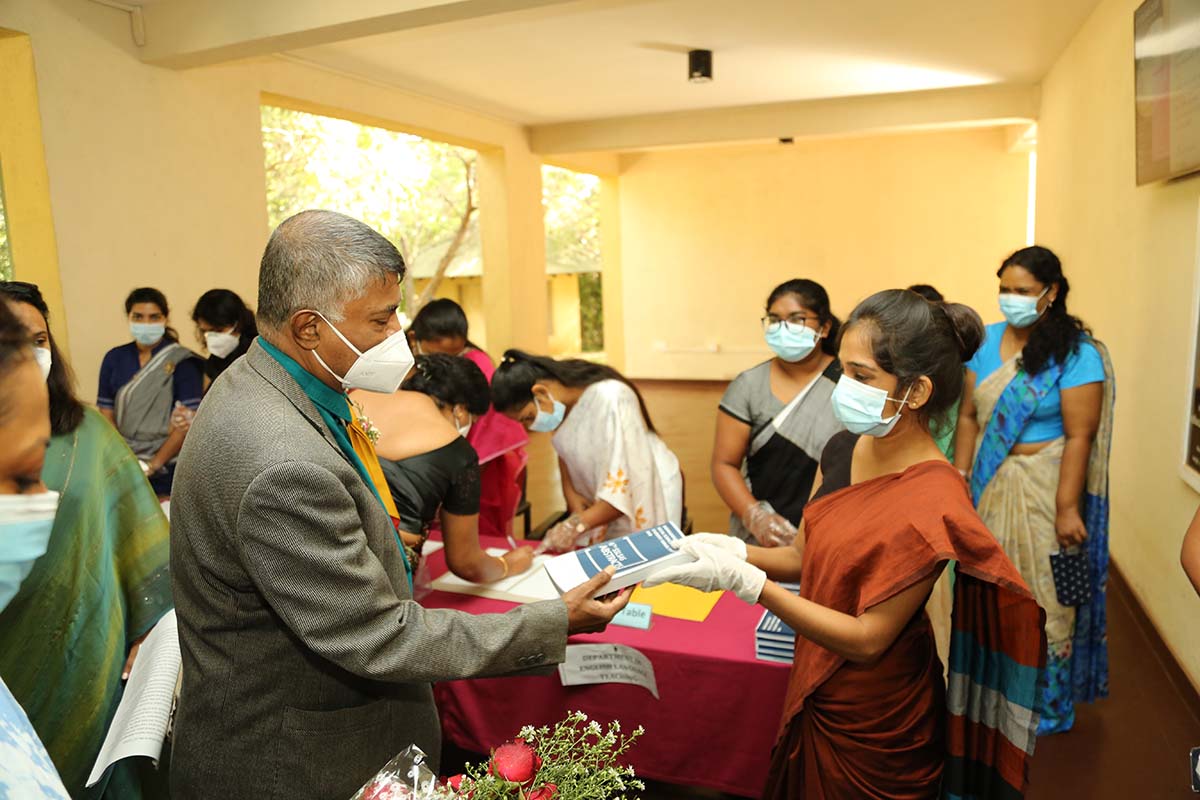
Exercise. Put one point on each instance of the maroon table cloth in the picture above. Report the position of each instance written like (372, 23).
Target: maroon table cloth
(713, 725)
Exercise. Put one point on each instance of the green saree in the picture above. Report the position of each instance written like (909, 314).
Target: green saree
(102, 584)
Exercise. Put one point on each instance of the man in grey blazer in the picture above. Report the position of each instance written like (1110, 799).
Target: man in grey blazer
(306, 663)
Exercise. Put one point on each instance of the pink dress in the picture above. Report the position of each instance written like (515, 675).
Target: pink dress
(500, 444)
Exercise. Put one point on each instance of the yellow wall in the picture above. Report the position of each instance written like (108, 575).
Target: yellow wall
(1130, 254)
(156, 176)
(468, 293)
(23, 178)
(706, 234)
(566, 331)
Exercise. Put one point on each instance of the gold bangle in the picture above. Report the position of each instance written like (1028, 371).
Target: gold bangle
(504, 564)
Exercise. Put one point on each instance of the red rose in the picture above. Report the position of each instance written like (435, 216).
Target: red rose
(455, 782)
(515, 761)
(545, 792)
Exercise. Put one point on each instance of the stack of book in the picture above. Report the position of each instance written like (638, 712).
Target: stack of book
(774, 640)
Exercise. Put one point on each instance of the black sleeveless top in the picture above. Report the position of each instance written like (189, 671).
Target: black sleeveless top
(447, 477)
(835, 463)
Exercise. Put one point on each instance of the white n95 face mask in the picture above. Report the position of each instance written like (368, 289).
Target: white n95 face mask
(45, 360)
(381, 369)
(221, 343)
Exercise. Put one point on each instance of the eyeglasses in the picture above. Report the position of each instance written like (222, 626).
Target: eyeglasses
(795, 322)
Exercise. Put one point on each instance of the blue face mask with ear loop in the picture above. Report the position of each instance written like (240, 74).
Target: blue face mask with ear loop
(1019, 311)
(860, 407)
(26, 521)
(791, 342)
(548, 421)
(147, 333)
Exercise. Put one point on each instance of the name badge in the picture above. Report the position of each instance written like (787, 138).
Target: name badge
(634, 615)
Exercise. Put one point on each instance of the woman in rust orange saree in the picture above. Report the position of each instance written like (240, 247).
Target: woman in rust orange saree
(868, 713)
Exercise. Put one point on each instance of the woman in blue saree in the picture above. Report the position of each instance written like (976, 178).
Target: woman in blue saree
(1034, 432)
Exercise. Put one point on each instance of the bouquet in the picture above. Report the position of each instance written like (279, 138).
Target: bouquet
(405, 777)
(577, 759)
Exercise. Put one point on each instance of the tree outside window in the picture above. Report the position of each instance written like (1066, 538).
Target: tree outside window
(572, 215)
(6, 266)
(418, 193)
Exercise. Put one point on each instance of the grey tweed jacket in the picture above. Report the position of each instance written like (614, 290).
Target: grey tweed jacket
(306, 663)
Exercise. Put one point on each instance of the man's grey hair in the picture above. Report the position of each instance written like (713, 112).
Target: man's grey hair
(319, 261)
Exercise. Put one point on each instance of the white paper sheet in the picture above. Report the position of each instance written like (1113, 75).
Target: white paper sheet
(528, 587)
(607, 663)
(140, 724)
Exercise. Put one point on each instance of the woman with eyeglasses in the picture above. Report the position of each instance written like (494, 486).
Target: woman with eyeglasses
(1034, 431)
(775, 418)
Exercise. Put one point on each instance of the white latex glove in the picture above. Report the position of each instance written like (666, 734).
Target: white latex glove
(564, 536)
(730, 544)
(182, 416)
(714, 568)
(768, 527)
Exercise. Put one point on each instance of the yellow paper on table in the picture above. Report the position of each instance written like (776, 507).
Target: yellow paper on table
(680, 602)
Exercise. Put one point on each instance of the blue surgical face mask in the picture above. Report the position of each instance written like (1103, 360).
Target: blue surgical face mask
(548, 422)
(25, 524)
(147, 333)
(860, 407)
(790, 342)
(1021, 312)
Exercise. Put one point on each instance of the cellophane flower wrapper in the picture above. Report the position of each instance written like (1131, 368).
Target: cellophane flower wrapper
(405, 777)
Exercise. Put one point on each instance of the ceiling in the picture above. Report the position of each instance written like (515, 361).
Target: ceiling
(611, 58)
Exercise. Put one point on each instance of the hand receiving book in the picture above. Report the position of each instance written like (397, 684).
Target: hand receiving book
(635, 557)
(710, 568)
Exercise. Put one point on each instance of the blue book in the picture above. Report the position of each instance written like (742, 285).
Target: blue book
(635, 556)
(772, 629)
(776, 656)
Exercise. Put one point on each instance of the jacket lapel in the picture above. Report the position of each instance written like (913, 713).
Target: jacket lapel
(273, 372)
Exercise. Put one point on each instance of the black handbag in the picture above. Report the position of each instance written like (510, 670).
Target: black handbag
(1072, 576)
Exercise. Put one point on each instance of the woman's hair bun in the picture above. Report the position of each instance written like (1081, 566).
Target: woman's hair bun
(968, 328)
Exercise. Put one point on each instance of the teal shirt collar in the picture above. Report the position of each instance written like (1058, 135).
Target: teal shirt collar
(328, 400)
(334, 408)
